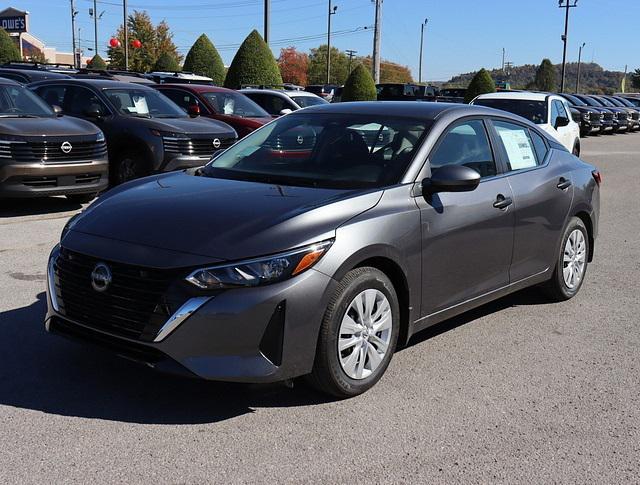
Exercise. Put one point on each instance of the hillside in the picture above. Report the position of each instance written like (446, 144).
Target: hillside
(593, 78)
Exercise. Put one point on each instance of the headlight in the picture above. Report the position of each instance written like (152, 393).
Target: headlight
(262, 271)
(100, 137)
(586, 116)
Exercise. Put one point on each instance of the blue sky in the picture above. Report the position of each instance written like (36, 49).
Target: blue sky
(461, 36)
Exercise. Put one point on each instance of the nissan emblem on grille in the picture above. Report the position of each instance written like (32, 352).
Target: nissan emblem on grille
(216, 143)
(101, 277)
(300, 140)
(66, 147)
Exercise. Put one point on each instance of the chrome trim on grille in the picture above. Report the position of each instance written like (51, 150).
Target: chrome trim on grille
(51, 275)
(184, 312)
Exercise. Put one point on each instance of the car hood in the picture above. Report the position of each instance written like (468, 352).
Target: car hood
(191, 126)
(40, 127)
(220, 219)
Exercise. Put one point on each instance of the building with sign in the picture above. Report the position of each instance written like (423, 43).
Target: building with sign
(16, 23)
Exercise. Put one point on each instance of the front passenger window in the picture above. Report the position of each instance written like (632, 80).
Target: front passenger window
(465, 144)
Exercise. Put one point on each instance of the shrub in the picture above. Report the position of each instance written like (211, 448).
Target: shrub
(359, 86)
(97, 62)
(203, 59)
(166, 63)
(253, 64)
(480, 84)
(8, 50)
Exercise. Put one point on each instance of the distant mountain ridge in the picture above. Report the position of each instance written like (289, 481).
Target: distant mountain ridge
(593, 78)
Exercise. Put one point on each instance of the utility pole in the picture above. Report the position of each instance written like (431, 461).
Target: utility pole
(566, 4)
(126, 35)
(267, 14)
(332, 11)
(94, 14)
(623, 86)
(376, 41)
(503, 53)
(350, 53)
(422, 26)
(579, 60)
(74, 12)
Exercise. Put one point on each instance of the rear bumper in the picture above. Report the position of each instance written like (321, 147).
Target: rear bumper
(258, 335)
(19, 179)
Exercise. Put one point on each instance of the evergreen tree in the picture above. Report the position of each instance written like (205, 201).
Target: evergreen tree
(546, 76)
(480, 84)
(359, 86)
(8, 50)
(166, 63)
(97, 62)
(203, 59)
(253, 64)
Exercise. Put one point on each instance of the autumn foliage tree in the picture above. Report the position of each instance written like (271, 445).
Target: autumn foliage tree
(293, 66)
(390, 72)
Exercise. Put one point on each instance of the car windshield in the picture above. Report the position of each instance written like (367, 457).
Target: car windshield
(304, 101)
(624, 102)
(592, 102)
(615, 102)
(324, 150)
(20, 102)
(535, 111)
(235, 104)
(634, 101)
(145, 103)
(606, 102)
(573, 100)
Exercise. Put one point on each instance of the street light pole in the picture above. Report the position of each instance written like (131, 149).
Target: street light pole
(73, 31)
(126, 35)
(579, 60)
(376, 41)
(422, 26)
(95, 26)
(566, 4)
(332, 11)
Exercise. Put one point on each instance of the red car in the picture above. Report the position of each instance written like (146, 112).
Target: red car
(222, 104)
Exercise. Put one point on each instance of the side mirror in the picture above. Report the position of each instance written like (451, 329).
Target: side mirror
(285, 111)
(450, 178)
(56, 109)
(93, 111)
(193, 110)
(561, 121)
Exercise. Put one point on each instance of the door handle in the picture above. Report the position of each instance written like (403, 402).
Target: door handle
(502, 202)
(564, 183)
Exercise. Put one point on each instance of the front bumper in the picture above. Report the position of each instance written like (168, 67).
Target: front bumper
(37, 179)
(262, 334)
(181, 162)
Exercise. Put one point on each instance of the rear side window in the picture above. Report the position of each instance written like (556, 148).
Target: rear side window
(540, 147)
(518, 145)
(465, 144)
(52, 94)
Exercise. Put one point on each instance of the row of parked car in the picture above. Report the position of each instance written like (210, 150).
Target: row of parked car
(76, 132)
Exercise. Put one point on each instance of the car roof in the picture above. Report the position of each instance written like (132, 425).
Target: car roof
(6, 80)
(280, 92)
(200, 88)
(413, 109)
(523, 95)
(97, 83)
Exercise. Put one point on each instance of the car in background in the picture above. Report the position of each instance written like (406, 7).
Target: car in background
(26, 76)
(279, 102)
(549, 111)
(405, 92)
(609, 119)
(146, 132)
(452, 95)
(633, 110)
(325, 91)
(591, 119)
(113, 75)
(634, 99)
(180, 77)
(43, 154)
(227, 105)
(619, 115)
(255, 269)
(625, 113)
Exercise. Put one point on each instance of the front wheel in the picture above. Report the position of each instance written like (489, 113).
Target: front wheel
(129, 166)
(358, 334)
(571, 264)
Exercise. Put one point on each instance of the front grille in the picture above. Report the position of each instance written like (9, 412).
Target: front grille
(5, 149)
(135, 305)
(50, 151)
(608, 116)
(197, 147)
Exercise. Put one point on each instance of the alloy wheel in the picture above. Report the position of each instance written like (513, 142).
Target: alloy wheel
(365, 334)
(574, 260)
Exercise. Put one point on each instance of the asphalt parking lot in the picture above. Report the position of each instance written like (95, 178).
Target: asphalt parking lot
(519, 390)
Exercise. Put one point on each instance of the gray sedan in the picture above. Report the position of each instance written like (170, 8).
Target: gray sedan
(321, 242)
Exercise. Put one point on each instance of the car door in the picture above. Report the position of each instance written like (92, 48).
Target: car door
(542, 192)
(467, 237)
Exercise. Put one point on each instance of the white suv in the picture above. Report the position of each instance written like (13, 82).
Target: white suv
(549, 111)
(278, 102)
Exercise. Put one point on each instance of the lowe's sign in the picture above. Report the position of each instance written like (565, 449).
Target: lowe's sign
(14, 24)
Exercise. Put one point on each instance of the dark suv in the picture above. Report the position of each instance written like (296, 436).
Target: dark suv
(591, 119)
(25, 76)
(44, 154)
(146, 132)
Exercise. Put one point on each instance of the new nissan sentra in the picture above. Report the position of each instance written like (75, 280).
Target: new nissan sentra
(262, 266)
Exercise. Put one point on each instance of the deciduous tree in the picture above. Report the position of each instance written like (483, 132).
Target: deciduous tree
(293, 66)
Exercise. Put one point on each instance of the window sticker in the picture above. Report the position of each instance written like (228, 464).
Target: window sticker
(519, 149)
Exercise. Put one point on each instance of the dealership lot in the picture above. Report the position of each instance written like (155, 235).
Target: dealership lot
(518, 390)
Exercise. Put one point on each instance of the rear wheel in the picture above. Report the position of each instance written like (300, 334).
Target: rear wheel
(571, 265)
(358, 334)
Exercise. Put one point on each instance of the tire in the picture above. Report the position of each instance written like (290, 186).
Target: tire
(81, 198)
(560, 287)
(129, 166)
(332, 372)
